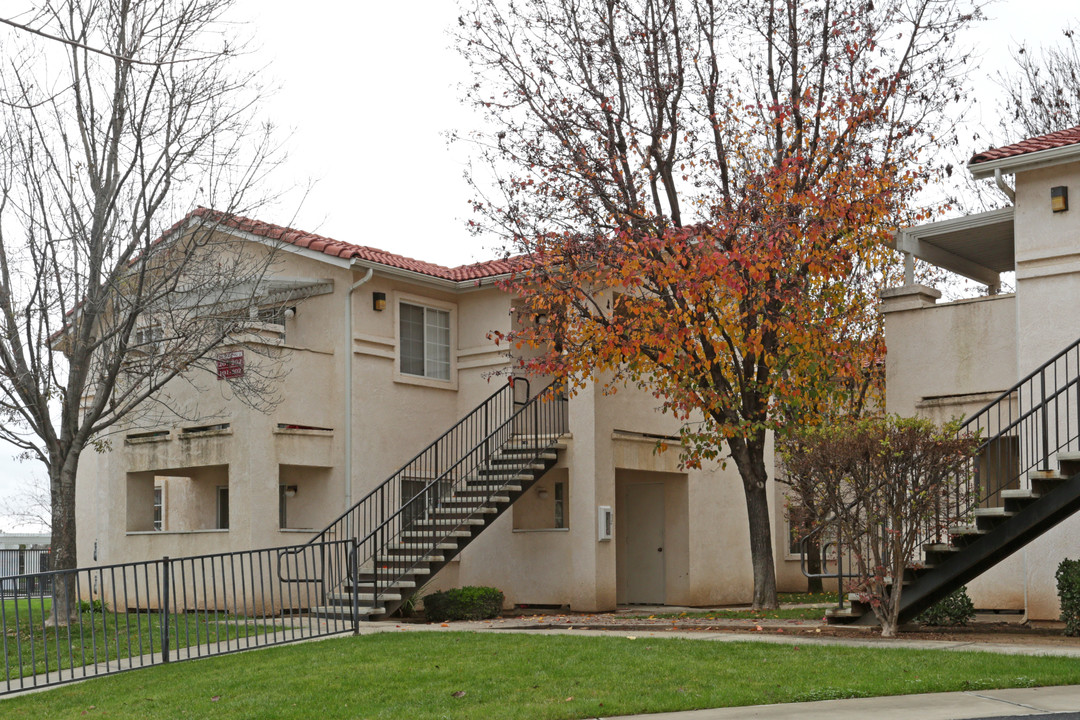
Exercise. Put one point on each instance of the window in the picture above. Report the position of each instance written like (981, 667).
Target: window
(424, 341)
(560, 504)
(147, 338)
(283, 518)
(159, 508)
(223, 508)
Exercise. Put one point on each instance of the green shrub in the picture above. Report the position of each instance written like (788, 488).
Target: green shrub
(92, 606)
(467, 603)
(954, 609)
(1068, 584)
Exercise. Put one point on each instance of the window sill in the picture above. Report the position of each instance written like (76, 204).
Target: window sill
(542, 530)
(309, 531)
(205, 434)
(304, 431)
(175, 532)
(422, 381)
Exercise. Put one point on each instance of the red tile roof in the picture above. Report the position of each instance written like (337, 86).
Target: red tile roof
(337, 248)
(1061, 138)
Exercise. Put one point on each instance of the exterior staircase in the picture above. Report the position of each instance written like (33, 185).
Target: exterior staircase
(381, 551)
(1023, 480)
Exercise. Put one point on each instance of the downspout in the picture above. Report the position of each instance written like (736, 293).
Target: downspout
(348, 382)
(1009, 192)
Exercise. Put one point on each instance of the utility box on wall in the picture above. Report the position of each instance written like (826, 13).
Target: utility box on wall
(605, 523)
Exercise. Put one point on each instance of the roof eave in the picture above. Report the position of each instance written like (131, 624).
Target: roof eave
(1027, 161)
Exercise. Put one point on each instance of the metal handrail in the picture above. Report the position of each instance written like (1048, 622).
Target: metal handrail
(1044, 423)
(468, 444)
(405, 517)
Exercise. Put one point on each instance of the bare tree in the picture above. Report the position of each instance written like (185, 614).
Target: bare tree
(30, 506)
(116, 118)
(879, 483)
(1042, 92)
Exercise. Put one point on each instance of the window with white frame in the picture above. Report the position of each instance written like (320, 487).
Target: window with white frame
(159, 507)
(424, 341)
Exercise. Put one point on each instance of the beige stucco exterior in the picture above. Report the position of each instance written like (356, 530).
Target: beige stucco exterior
(950, 359)
(218, 444)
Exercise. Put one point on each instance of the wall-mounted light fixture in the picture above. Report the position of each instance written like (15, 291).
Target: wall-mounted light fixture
(1059, 198)
(290, 491)
(542, 493)
(290, 313)
(541, 319)
(378, 301)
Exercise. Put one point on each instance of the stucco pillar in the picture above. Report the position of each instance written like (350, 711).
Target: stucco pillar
(592, 483)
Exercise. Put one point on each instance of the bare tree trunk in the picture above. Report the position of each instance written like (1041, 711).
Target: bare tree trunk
(65, 607)
(761, 551)
(749, 456)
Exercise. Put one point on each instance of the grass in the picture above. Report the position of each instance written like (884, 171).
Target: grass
(519, 677)
(805, 598)
(98, 636)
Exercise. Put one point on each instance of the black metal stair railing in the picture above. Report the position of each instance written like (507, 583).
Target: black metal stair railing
(426, 521)
(1023, 430)
(415, 491)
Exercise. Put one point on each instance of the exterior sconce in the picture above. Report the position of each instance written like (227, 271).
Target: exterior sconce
(1059, 198)
(541, 319)
(542, 493)
(290, 491)
(290, 313)
(378, 301)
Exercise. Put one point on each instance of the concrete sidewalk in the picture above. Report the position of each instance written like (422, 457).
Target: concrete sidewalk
(934, 706)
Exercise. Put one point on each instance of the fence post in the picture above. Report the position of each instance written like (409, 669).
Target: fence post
(356, 587)
(164, 609)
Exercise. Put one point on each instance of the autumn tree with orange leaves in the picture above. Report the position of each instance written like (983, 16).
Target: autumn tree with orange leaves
(703, 190)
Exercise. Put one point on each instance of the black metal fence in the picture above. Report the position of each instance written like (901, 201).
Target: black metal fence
(20, 571)
(131, 615)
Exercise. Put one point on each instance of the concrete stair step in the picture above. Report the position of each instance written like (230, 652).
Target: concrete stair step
(367, 583)
(339, 612)
(993, 512)
(422, 546)
(962, 530)
(366, 599)
(472, 500)
(398, 559)
(451, 522)
(515, 459)
(1020, 495)
(464, 510)
(481, 490)
(432, 535)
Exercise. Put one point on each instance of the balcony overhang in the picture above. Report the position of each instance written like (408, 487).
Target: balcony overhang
(979, 246)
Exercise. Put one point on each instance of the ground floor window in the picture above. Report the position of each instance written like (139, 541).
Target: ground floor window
(546, 505)
(223, 507)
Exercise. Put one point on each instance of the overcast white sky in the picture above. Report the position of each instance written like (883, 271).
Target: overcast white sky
(366, 91)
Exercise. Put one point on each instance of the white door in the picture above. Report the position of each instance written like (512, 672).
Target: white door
(644, 543)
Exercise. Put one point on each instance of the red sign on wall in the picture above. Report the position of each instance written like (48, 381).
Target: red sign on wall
(230, 365)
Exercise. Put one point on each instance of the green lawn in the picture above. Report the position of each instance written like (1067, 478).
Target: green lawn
(824, 597)
(505, 676)
(97, 637)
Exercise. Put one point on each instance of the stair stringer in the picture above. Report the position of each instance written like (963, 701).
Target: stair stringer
(977, 557)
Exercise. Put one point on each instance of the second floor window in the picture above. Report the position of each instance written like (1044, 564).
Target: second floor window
(425, 341)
